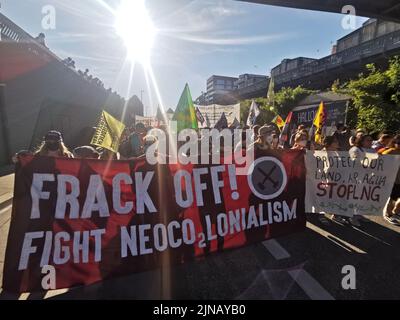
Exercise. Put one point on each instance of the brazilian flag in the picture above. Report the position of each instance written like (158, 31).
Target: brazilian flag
(185, 113)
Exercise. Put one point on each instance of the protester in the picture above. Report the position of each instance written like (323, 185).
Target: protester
(331, 143)
(256, 130)
(392, 210)
(264, 138)
(133, 145)
(342, 134)
(53, 146)
(362, 144)
(352, 139)
(275, 141)
(383, 142)
(300, 141)
(300, 128)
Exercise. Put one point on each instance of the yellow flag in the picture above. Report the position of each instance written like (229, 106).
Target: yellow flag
(319, 122)
(279, 122)
(108, 132)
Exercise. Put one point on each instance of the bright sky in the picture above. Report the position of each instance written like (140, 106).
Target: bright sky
(195, 39)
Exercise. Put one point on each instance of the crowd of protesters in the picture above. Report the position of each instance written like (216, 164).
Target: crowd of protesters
(137, 138)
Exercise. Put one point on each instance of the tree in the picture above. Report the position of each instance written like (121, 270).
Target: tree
(266, 115)
(285, 100)
(376, 97)
(288, 98)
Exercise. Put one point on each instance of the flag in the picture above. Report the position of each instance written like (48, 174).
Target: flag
(235, 124)
(254, 112)
(271, 92)
(108, 132)
(199, 116)
(284, 137)
(208, 124)
(279, 122)
(222, 123)
(185, 114)
(319, 122)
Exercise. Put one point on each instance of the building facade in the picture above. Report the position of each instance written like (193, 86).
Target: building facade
(221, 90)
(375, 42)
(225, 90)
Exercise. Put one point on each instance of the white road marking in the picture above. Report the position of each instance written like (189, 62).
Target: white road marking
(334, 239)
(24, 296)
(276, 249)
(6, 208)
(371, 236)
(310, 286)
(54, 293)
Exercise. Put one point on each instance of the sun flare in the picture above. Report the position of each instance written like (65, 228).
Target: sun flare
(135, 27)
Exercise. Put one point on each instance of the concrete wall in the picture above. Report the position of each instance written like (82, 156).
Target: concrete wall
(53, 97)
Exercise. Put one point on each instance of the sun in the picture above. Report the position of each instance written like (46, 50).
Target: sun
(135, 27)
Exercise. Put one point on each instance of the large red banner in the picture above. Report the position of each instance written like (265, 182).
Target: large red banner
(93, 220)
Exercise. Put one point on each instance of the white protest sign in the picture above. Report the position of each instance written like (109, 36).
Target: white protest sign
(340, 184)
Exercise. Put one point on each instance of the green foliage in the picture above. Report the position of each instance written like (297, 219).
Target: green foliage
(285, 100)
(267, 112)
(375, 105)
(376, 97)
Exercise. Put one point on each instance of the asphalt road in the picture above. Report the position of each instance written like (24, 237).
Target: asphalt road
(306, 265)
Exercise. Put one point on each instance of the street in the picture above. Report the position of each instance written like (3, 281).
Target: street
(305, 265)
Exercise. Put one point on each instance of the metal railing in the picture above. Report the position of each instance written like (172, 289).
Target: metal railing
(11, 32)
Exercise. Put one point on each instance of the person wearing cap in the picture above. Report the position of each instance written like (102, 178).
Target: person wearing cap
(86, 152)
(53, 146)
(264, 138)
(353, 138)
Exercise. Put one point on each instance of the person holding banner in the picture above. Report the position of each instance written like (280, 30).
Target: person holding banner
(331, 143)
(392, 210)
(53, 146)
(362, 144)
